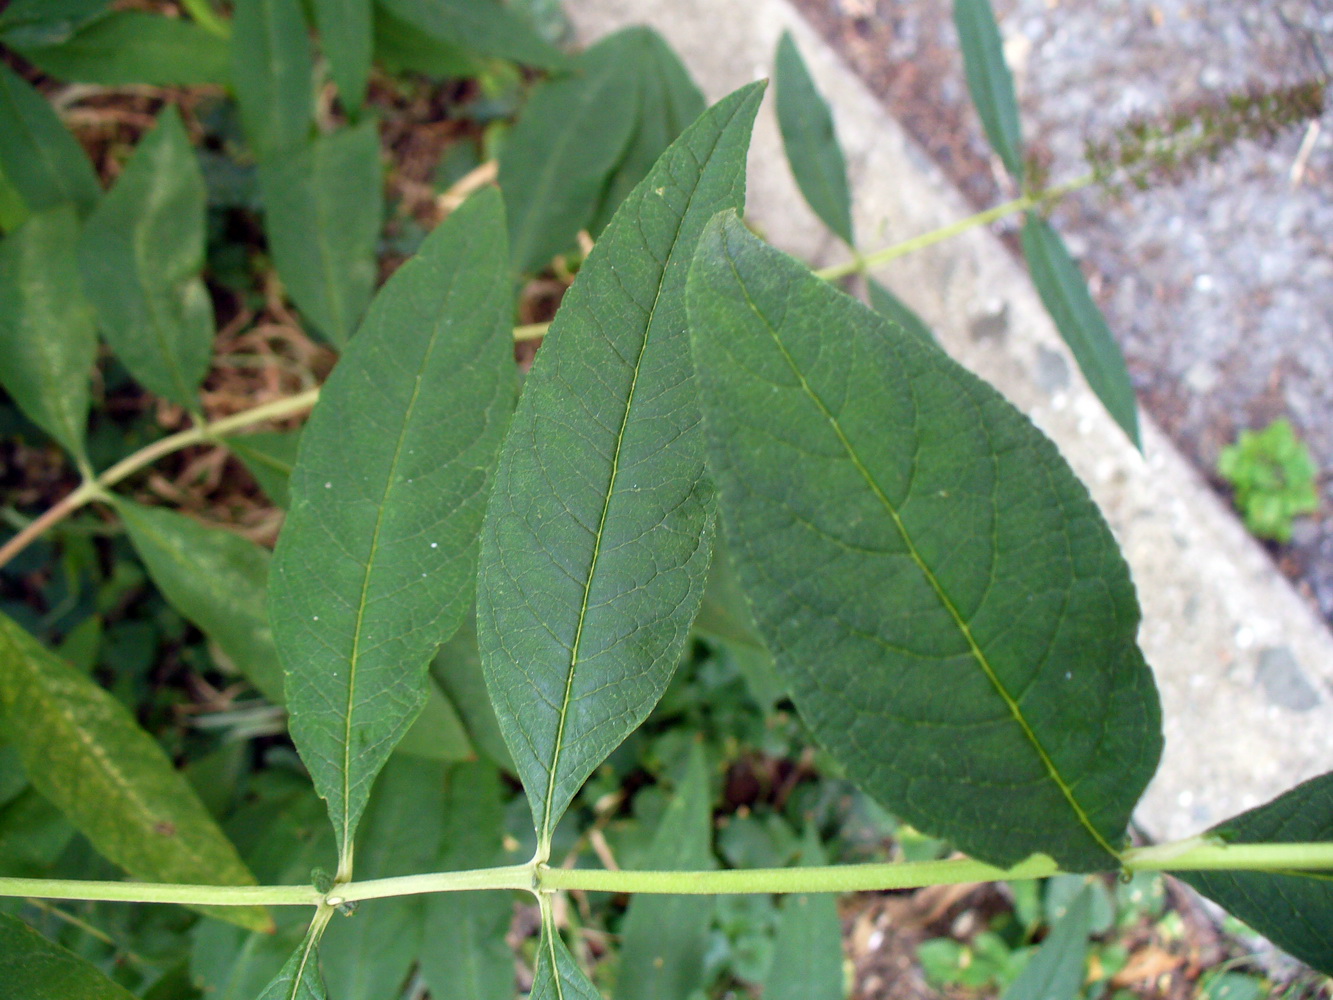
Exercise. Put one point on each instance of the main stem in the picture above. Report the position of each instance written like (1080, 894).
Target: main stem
(1198, 854)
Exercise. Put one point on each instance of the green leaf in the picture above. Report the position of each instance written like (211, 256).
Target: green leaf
(891, 307)
(33, 835)
(1056, 971)
(346, 35)
(300, 978)
(483, 27)
(215, 579)
(1066, 297)
(558, 976)
(374, 566)
(457, 670)
(323, 207)
(665, 938)
(269, 456)
(467, 957)
(989, 81)
(403, 47)
(47, 22)
(13, 212)
(48, 341)
(368, 955)
(86, 754)
(132, 47)
(808, 136)
(1294, 910)
(438, 733)
(807, 952)
(35, 968)
(950, 609)
(668, 103)
(46, 164)
(273, 74)
(598, 533)
(557, 158)
(141, 254)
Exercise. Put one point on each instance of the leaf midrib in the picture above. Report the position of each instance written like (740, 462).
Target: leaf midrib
(959, 622)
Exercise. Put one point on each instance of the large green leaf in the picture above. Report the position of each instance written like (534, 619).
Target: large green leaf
(466, 957)
(40, 158)
(141, 253)
(131, 47)
(557, 158)
(374, 566)
(598, 533)
(807, 951)
(215, 579)
(323, 207)
(989, 81)
(1057, 971)
(34, 968)
(368, 955)
(13, 212)
(665, 938)
(48, 342)
(273, 74)
(87, 755)
(1066, 297)
(668, 103)
(484, 27)
(950, 609)
(347, 38)
(1293, 909)
(806, 123)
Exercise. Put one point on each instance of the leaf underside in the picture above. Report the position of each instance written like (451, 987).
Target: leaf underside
(949, 607)
(35, 968)
(598, 534)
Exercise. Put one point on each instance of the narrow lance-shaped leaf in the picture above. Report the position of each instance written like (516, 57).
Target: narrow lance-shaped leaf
(1293, 909)
(323, 207)
(40, 158)
(84, 752)
(484, 27)
(558, 156)
(598, 533)
(273, 74)
(1066, 297)
(950, 609)
(130, 47)
(374, 566)
(811, 143)
(665, 938)
(269, 456)
(346, 35)
(890, 306)
(557, 975)
(300, 978)
(48, 342)
(32, 967)
(1057, 971)
(141, 254)
(457, 670)
(807, 953)
(47, 22)
(989, 81)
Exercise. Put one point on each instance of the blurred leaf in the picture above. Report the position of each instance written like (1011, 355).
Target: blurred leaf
(1066, 297)
(46, 164)
(483, 27)
(1056, 971)
(13, 212)
(374, 566)
(989, 81)
(269, 456)
(457, 670)
(132, 47)
(86, 754)
(597, 537)
(403, 47)
(48, 341)
(665, 938)
(891, 307)
(467, 957)
(141, 254)
(323, 208)
(47, 22)
(807, 955)
(438, 733)
(272, 72)
(347, 38)
(35, 968)
(908, 539)
(33, 835)
(215, 579)
(1294, 910)
(811, 142)
(557, 158)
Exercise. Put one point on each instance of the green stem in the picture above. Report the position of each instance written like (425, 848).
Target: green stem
(860, 263)
(157, 892)
(206, 17)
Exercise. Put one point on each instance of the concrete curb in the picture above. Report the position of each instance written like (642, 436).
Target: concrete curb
(1244, 666)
